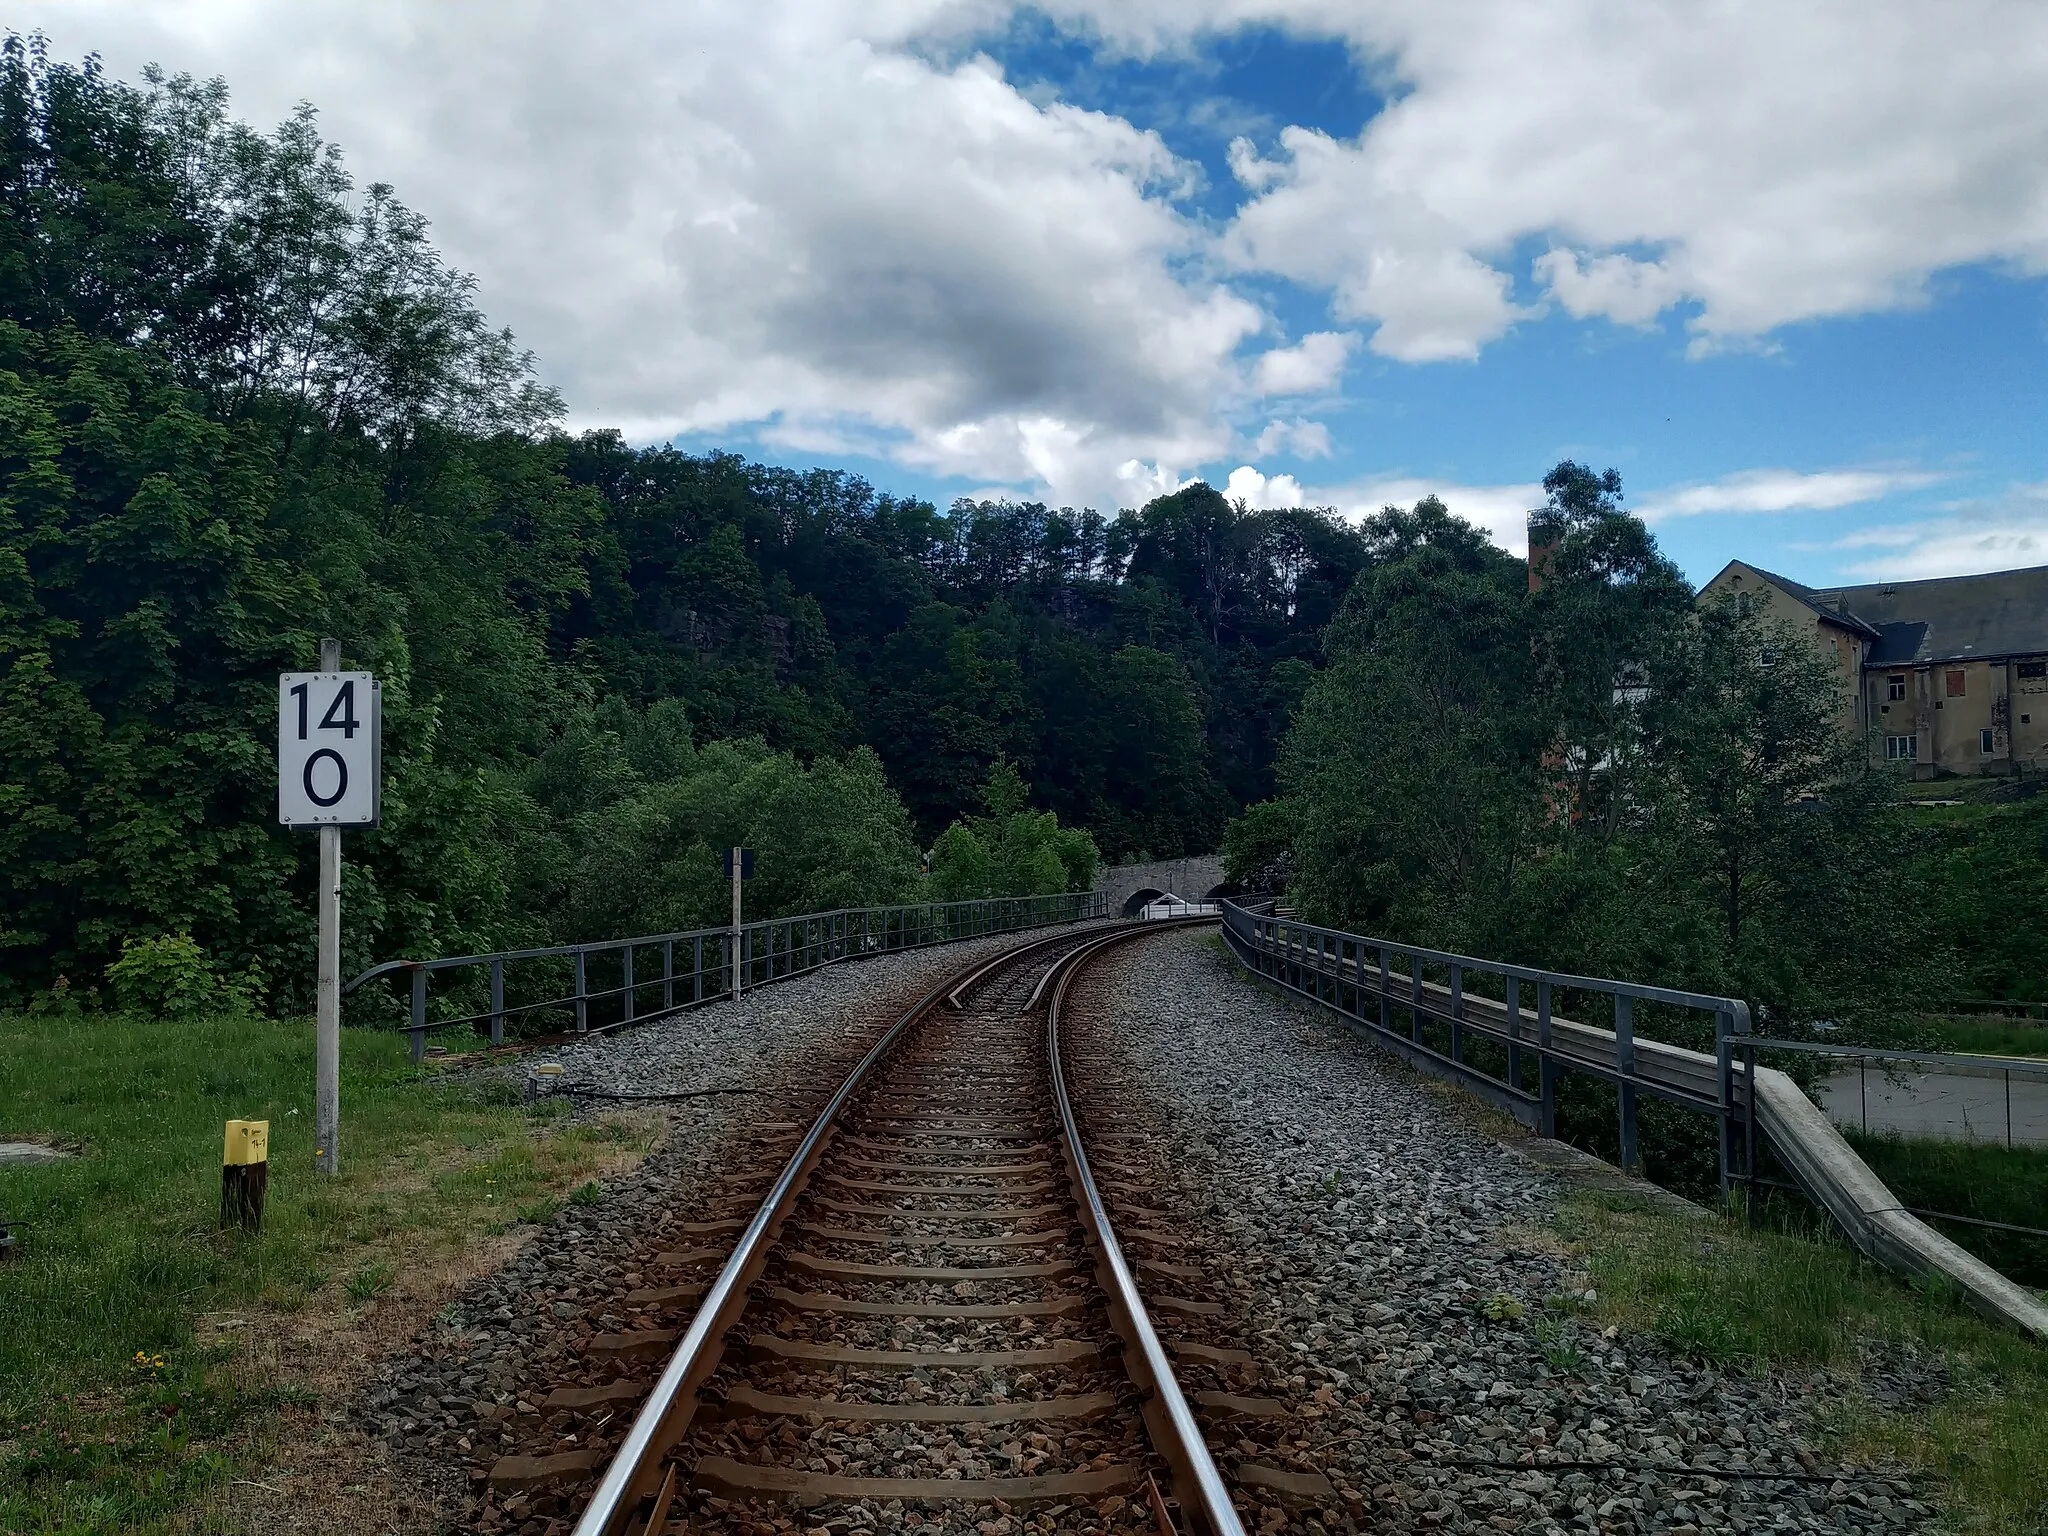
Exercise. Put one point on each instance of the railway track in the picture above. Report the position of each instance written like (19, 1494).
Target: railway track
(940, 1299)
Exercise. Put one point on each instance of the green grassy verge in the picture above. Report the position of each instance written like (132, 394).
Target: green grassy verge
(119, 1411)
(1755, 1299)
(1993, 1183)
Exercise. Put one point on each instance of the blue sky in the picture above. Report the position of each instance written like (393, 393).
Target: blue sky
(1948, 393)
(1782, 267)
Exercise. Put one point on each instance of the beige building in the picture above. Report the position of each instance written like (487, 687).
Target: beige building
(1948, 675)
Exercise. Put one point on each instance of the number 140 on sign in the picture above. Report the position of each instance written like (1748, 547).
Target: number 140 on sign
(330, 728)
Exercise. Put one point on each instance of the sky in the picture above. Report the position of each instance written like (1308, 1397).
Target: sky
(1785, 267)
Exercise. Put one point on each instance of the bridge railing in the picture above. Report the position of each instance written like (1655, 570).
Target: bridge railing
(1500, 1031)
(1470, 1020)
(597, 986)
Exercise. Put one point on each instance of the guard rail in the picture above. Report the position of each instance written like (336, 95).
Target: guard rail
(1368, 981)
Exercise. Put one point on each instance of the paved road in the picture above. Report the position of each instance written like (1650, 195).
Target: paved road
(1937, 1106)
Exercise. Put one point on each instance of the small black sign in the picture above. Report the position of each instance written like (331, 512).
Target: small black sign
(746, 863)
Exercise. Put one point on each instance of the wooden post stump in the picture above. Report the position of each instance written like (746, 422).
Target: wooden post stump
(244, 1173)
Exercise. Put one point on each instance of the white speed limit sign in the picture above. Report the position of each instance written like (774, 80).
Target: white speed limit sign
(330, 760)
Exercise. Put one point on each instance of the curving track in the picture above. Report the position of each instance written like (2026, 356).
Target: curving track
(936, 1301)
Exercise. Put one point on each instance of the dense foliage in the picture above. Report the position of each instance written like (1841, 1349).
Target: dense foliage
(1013, 851)
(244, 404)
(1982, 873)
(1594, 776)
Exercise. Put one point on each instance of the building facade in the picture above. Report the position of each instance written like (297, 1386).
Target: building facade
(1946, 675)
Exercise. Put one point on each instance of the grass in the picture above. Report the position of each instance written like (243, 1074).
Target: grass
(118, 1410)
(1988, 1035)
(1755, 1299)
(1993, 1183)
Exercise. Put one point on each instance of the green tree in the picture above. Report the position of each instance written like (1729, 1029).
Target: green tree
(1594, 776)
(829, 835)
(1013, 851)
(245, 403)
(1413, 770)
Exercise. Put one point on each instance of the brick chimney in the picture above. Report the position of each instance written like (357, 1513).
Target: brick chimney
(1544, 533)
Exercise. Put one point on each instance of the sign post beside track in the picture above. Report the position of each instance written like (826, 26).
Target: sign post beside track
(739, 866)
(330, 773)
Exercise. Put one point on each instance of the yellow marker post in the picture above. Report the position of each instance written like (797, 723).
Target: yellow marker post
(545, 1077)
(244, 1173)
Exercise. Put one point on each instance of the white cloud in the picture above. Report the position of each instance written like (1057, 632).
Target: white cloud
(1309, 367)
(1759, 162)
(1499, 511)
(1264, 492)
(727, 214)
(1784, 490)
(1994, 534)
(792, 216)
(1625, 290)
(1303, 439)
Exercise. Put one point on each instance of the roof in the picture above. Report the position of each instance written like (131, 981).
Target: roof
(1951, 618)
(1946, 618)
(1806, 595)
(1834, 613)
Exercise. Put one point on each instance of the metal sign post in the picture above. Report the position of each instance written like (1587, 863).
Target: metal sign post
(330, 775)
(739, 865)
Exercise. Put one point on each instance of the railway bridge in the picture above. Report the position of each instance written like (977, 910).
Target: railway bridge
(1041, 1219)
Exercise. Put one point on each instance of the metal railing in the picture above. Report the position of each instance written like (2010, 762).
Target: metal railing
(601, 985)
(1431, 1007)
(1953, 1063)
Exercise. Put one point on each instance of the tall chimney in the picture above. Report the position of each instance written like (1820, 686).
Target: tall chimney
(1544, 533)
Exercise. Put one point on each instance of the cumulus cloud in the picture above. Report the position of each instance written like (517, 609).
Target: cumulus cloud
(1755, 162)
(720, 215)
(836, 223)
(1303, 439)
(1309, 367)
(1625, 290)
(1263, 492)
(1784, 490)
(1499, 511)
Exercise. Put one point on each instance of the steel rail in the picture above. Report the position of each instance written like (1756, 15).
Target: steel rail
(665, 1417)
(976, 975)
(630, 1477)
(1197, 1485)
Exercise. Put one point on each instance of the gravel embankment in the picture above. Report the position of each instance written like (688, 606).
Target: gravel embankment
(1379, 1247)
(441, 1405)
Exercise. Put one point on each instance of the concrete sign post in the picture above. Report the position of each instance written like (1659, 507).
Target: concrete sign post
(330, 775)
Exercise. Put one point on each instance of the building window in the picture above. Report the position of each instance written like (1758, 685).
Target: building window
(1901, 749)
(1895, 687)
(1955, 685)
(2034, 669)
(1767, 656)
(1984, 743)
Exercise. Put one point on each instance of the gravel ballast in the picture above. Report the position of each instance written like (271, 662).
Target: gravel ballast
(446, 1407)
(1385, 1262)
